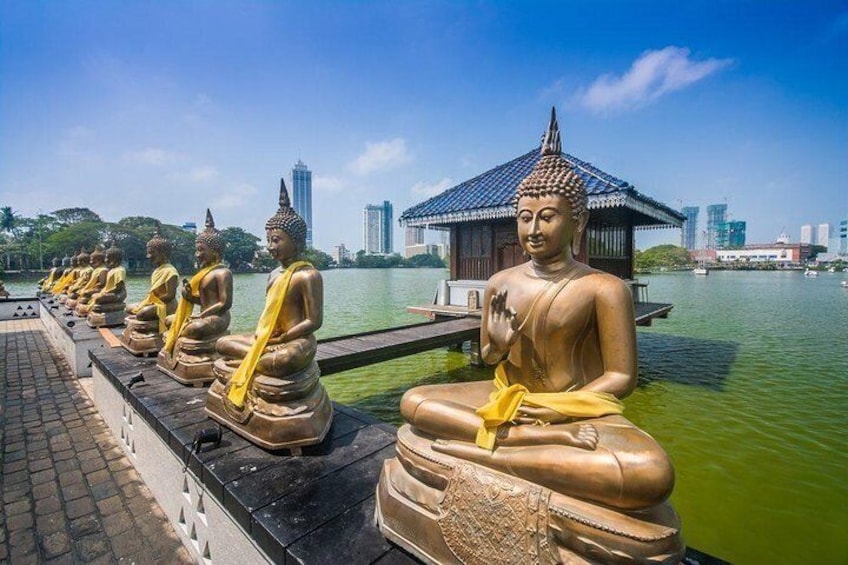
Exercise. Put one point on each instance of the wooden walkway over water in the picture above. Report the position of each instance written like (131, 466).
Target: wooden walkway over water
(352, 351)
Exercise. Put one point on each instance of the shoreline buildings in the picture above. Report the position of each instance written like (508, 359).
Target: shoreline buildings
(301, 179)
(377, 229)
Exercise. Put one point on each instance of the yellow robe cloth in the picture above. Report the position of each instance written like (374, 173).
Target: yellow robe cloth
(274, 300)
(113, 278)
(184, 308)
(48, 282)
(83, 278)
(65, 281)
(505, 401)
(158, 278)
(94, 279)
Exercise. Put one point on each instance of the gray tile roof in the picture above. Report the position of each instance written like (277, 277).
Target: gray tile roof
(489, 196)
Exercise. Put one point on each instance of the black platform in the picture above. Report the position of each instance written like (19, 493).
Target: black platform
(313, 508)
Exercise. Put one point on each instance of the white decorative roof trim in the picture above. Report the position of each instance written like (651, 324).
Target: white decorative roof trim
(596, 202)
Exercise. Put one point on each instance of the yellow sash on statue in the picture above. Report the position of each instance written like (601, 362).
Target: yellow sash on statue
(48, 282)
(243, 377)
(184, 308)
(65, 281)
(505, 401)
(158, 278)
(113, 278)
(82, 281)
(95, 278)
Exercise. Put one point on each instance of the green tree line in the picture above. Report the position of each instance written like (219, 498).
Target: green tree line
(29, 244)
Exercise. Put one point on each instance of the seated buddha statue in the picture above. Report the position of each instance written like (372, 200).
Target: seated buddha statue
(106, 307)
(146, 320)
(3, 292)
(69, 276)
(267, 387)
(45, 284)
(95, 283)
(84, 271)
(538, 465)
(189, 349)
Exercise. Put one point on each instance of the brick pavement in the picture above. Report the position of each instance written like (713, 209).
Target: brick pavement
(69, 494)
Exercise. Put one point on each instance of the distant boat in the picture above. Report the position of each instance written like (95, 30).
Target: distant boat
(831, 270)
(702, 271)
(809, 273)
(844, 284)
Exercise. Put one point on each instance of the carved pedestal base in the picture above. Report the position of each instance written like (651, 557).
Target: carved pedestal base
(445, 510)
(141, 337)
(280, 413)
(191, 362)
(106, 319)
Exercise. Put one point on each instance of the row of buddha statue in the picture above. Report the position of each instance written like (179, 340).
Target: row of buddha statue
(536, 466)
(90, 285)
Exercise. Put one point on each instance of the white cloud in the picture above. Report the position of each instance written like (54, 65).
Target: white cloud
(650, 76)
(380, 156)
(428, 190)
(196, 175)
(234, 197)
(328, 183)
(152, 156)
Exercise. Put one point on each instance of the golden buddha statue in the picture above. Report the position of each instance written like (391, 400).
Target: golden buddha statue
(67, 278)
(95, 283)
(84, 271)
(267, 387)
(146, 319)
(189, 349)
(56, 271)
(3, 292)
(106, 307)
(538, 466)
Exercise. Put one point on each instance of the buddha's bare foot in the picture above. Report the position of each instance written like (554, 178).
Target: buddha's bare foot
(582, 436)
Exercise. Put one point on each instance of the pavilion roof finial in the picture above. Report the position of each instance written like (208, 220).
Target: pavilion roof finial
(552, 144)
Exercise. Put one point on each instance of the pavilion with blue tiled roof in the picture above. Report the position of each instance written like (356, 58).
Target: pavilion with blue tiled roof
(480, 216)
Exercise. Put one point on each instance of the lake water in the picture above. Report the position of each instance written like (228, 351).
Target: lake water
(745, 385)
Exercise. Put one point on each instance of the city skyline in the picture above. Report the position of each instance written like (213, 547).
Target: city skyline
(165, 109)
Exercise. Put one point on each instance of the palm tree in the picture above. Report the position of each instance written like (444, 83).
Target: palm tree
(8, 225)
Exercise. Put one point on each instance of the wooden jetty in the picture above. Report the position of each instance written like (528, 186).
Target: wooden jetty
(451, 325)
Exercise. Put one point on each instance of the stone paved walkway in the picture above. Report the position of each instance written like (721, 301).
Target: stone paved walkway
(69, 495)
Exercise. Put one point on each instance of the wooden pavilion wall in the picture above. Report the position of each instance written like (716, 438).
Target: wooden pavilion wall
(480, 249)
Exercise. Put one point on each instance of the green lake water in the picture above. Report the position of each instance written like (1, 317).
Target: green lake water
(745, 385)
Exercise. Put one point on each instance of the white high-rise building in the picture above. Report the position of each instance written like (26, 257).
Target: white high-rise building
(377, 228)
(301, 178)
(824, 234)
(808, 234)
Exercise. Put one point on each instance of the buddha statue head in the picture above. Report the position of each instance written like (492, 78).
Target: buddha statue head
(114, 256)
(209, 244)
(66, 261)
(285, 230)
(551, 203)
(56, 262)
(98, 257)
(83, 258)
(158, 248)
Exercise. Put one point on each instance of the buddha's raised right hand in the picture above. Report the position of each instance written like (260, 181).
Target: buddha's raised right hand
(502, 325)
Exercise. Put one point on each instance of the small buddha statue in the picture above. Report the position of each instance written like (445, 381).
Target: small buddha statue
(45, 284)
(189, 349)
(106, 308)
(539, 465)
(84, 271)
(3, 292)
(68, 277)
(267, 387)
(95, 283)
(146, 320)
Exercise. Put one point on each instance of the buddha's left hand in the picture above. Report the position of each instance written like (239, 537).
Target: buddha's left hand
(539, 414)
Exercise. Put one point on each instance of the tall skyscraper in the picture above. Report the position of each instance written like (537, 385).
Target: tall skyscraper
(843, 236)
(414, 235)
(689, 235)
(716, 214)
(823, 235)
(736, 234)
(808, 234)
(301, 178)
(377, 228)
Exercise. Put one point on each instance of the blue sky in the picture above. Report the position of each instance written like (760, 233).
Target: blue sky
(165, 108)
